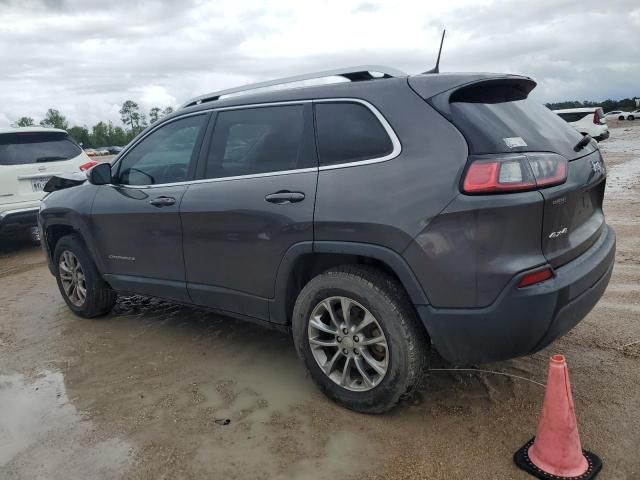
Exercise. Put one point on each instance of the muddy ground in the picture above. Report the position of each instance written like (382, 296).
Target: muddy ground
(157, 390)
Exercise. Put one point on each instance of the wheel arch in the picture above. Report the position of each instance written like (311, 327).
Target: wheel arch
(305, 260)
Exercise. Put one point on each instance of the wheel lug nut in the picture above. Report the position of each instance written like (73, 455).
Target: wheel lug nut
(345, 351)
(345, 331)
(356, 351)
(339, 339)
(356, 339)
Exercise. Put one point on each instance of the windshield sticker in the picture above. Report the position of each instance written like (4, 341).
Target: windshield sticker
(513, 142)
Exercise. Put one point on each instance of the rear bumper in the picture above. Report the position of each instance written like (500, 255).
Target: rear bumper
(523, 321)
(18, 219)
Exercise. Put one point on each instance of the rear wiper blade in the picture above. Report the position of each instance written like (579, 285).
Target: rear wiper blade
(50, 159)
(584, 141)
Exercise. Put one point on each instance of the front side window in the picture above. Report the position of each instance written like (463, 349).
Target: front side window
(164, 155)
(256, 140)
(349, 132)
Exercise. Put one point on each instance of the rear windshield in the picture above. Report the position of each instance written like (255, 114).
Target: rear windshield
(573, 116)
(36, 147)
(500, 119)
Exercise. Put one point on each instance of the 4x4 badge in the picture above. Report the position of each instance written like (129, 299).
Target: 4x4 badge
(558, 233)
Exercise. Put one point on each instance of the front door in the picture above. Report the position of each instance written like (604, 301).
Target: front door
(136, 220)
(255, 199)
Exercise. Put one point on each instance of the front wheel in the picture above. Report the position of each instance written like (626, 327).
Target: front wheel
(358, 335)
(631, 117)
(79, 282)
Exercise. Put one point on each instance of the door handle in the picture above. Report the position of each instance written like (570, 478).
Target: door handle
(162, 201)
(284, 196)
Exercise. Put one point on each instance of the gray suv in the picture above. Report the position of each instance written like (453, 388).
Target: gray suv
(372, 219)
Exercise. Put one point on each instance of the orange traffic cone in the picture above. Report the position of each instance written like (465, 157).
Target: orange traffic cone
(555, 452)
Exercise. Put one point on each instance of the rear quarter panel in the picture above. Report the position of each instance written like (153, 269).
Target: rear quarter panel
(390, 202)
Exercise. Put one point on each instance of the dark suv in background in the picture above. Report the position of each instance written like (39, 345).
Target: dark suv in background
(371, 218)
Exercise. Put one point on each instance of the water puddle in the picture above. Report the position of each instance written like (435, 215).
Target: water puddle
(43, 436)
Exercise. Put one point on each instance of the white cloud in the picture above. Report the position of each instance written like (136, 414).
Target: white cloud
(85, 57)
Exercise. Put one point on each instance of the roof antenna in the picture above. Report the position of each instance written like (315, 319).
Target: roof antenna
(436, 69)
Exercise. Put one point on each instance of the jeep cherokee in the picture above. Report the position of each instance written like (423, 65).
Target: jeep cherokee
(371, 219)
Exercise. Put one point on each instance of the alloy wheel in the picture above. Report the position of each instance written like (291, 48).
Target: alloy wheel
(72, 278)
(348, 344)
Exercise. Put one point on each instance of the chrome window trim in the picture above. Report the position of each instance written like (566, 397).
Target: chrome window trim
(395, 141)
(222, 179)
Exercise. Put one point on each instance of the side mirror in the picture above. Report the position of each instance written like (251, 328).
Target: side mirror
(100, 174)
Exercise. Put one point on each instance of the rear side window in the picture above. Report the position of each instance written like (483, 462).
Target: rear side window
(256, 140)
(36, 147)
(349, 132)
(501, 118)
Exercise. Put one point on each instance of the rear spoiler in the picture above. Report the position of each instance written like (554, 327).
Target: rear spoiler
(429, 85)
(482, 88)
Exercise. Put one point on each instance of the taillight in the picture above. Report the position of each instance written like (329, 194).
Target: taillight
(88, 165)
(535, 277)
(514, 173)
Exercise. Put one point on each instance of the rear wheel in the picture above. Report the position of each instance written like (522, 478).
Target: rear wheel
(631, 117)
(621, 117)
(357, 333)
(79, 282)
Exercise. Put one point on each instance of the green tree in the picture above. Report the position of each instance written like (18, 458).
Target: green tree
(81, 135)
(100, 135)
(154, 114)
(25, 122)
(130, 115)
(54, 119)
(167, 111)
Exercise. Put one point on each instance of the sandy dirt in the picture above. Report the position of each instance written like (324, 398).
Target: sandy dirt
(157, 390)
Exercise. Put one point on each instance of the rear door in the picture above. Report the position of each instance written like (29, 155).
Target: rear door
(29, 159)
(254, 201)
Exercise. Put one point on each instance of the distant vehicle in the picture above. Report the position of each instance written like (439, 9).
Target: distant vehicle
(102, 151)
(114, 150)
(588, 121)
(91, 152)
(371, 219)
(633, 115)
(29, 156)
(617, 115)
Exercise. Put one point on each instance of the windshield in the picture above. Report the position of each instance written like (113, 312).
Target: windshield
(36, 147)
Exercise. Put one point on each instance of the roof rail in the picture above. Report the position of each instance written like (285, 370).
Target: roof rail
(361, 72)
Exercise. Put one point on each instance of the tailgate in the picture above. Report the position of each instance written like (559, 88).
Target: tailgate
(573, 218)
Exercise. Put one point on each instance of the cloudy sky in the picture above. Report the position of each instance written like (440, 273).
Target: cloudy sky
(85, 57)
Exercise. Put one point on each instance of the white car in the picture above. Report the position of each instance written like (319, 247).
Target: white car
(633, 115)
(617, 115)
(29, 156)
(588, 121)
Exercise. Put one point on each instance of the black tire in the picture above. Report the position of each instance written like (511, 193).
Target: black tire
(100, 298)
(631, 117)
(621, 117)
(384, 297)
